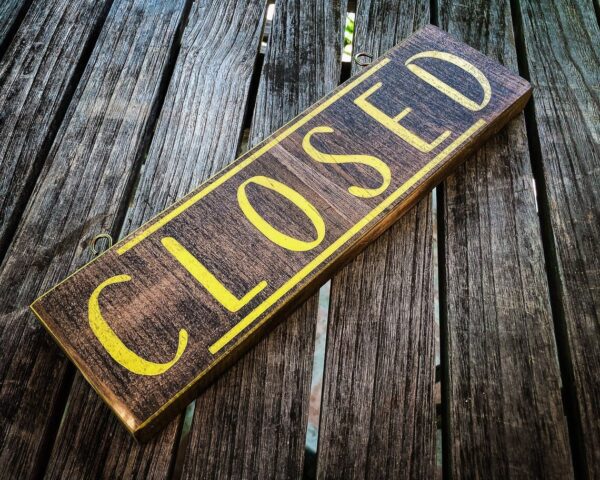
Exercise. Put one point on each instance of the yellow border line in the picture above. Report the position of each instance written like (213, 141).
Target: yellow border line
(243, 164)
(366, 220)
(287, 286)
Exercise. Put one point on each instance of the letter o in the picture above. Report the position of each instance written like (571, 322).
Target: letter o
(277, 237)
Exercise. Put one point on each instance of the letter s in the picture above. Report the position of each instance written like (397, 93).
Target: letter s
(369, 160)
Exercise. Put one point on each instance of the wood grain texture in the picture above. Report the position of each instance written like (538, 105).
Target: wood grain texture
(503, 395)
(378, 415)
(252, 422)
(37, 76)
(79, 194)
(200, 126)
(11, 12)
(561, 48)
(217, 40)
(91, 443)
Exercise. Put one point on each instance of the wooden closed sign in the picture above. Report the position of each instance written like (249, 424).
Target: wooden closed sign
(152, 320)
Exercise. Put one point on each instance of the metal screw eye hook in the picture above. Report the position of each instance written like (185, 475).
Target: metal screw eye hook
(361, 63)
(94, 242)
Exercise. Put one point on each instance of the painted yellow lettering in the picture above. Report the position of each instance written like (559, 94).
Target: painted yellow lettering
(277, 237)
(393, 125)
(113, 344)
(444, 87)
(369, 160)
(207, 279)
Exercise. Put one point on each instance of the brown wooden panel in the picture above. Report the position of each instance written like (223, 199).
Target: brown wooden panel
(100, 447)
(561, 51)
(260, 406)
(38, 73)
(162, 288)
(378, 414)
(503, 398)
(80, 193)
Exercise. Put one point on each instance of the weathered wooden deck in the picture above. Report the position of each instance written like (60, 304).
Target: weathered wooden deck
(113, 109)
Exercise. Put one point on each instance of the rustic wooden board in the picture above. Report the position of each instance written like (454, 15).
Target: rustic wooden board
(208, 49)
(38, 74)
(79, 194)
(161, 307)
(378, 413)
(11, 12)
(260, 406)
(502, 398)
(201, 123)
(561, 52)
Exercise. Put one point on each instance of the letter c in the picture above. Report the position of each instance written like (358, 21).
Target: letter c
(113, 344)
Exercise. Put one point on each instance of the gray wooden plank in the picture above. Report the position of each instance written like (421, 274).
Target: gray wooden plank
(80, 193)
(199, 130)
(252, 422)
(11, 12)
(502, 380)
(197, 133)
(561, 50)
(37, 76)
(91, 444)
(378, 412)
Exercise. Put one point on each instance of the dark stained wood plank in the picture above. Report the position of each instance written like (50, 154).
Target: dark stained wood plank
(80, 193)
(168, 296)
(11, 12)
(219, 39)
(561, 50)
(503, 399)
(37, 76)
(252, 422)
(378, 413)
